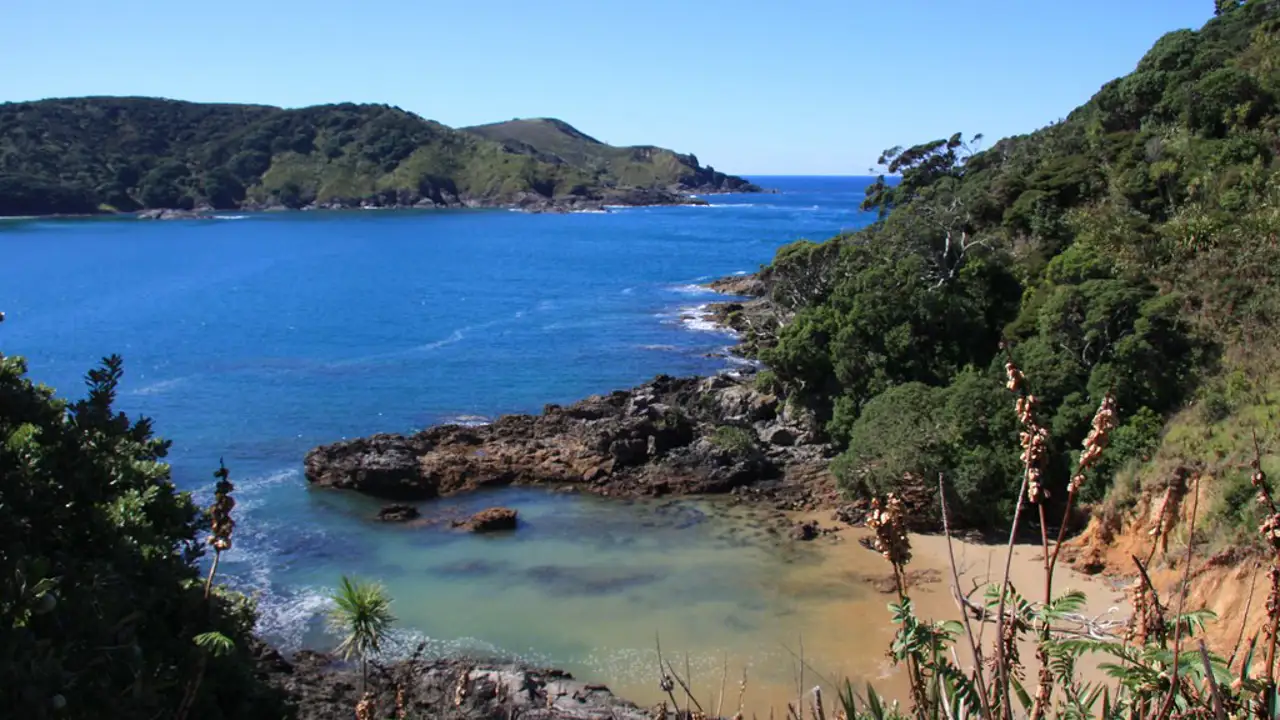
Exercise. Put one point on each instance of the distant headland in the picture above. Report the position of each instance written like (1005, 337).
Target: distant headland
(91, 155)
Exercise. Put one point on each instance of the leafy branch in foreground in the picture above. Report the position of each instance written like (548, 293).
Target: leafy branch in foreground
(362, 616)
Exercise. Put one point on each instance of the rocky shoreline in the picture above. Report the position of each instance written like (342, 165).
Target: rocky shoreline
(444, 200)
(317, 686)
(670, 436)
(723, 434)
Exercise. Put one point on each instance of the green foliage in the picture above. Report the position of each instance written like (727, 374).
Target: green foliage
(766, 381)
(736, 440)
(900, 432)
(75, 155)
(362, 617)
(914, 432)
(101, 599)
(1124, 249)
(215, 643)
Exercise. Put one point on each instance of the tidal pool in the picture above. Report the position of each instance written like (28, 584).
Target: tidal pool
(587, 584)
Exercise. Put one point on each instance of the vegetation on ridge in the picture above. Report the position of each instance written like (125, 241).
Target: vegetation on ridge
(557, 142)
(81, 155)
(1130, 246)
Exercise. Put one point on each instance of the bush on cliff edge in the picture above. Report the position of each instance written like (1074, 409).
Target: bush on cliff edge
(100, 591)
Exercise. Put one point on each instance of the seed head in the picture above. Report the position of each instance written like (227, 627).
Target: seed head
(1147, 624)
(887, 520)
(1016, 379)
(364, 708)
(1104, 421)
(1270, 530)
(222, 525)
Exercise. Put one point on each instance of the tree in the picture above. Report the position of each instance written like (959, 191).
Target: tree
(101, 599)
(919, 166)
(1222, 7)
(164, 186)
(362, 616)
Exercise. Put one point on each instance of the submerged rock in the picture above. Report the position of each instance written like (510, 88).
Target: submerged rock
(398, 513)
(490, 520)
(805, 532)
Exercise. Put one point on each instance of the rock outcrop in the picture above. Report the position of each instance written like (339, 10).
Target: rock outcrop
(492, 520)
(398, 513)
(675, 436)
(321, 688)
(750, 285)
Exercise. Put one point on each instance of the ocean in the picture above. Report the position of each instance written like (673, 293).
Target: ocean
(253, 337)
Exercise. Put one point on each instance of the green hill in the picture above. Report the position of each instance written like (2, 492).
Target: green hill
(558, 142)
(82, 155)
(1129, 248)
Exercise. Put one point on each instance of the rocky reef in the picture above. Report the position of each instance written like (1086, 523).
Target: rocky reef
(670, 436)
(319, 687)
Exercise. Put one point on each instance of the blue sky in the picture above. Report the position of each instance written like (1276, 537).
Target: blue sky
(752, 87)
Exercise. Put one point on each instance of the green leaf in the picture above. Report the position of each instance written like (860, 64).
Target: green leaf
(1021, 692)
(362, 616)
(215, 643)
(874, 705)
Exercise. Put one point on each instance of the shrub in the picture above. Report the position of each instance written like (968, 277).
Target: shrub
(101, 595)
(766, 381)
(736, 440)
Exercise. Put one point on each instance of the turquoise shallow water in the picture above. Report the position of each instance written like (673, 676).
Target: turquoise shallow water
(255, 337)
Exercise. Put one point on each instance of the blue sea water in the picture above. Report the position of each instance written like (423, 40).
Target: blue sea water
(254, 337)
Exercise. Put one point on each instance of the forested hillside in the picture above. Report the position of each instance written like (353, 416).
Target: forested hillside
(1130, 247)
(84, 155)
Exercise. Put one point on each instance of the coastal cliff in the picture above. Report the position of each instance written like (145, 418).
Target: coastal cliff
(103, 154)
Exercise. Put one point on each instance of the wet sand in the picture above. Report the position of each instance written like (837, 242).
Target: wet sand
(845, 627)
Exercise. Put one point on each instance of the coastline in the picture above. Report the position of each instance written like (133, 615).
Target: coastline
(599, 202)
(641, 457)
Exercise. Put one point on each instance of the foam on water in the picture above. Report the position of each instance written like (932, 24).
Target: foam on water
(467, 420)
(700, 319)
(693, 289)
(159, 386)
(289, 617)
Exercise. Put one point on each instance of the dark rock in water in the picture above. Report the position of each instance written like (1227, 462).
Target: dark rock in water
(398, 513)
(564, 581)
(321, 688)
(805, 531)
(491, 520)
(666, 437)
(470, 569)
(381, 465)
